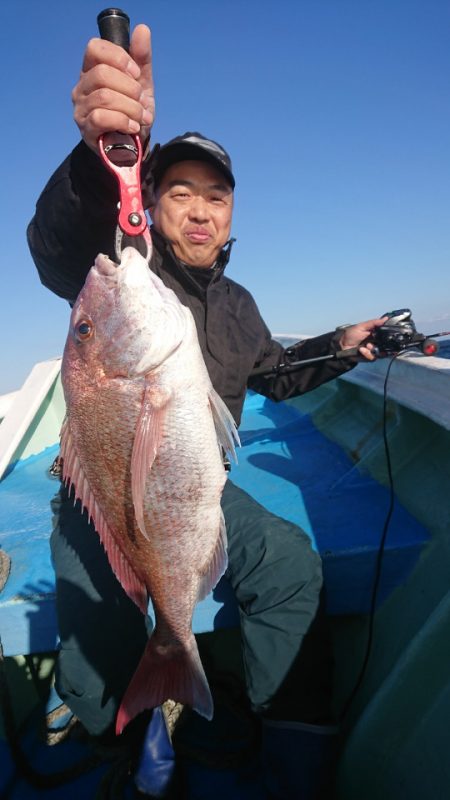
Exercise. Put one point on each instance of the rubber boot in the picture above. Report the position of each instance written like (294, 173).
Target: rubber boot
(298, 760)
(155, 772)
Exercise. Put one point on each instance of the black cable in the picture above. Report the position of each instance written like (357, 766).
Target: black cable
(380, 554)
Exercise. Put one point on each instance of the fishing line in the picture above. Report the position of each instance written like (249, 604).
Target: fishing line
(380, 554)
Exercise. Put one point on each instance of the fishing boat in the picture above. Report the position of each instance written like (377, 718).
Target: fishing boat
(362, 465)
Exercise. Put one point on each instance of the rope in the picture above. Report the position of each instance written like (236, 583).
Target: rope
(53, 735)
(37, 779)
(125, 759)
(172, 712)
(5, 568)
(24, 768)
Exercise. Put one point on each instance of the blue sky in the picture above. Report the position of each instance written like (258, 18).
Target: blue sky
(336, 114)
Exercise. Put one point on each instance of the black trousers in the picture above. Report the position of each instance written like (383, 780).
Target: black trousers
(277, 580)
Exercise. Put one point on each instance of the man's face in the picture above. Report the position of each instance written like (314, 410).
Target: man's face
(193, 209)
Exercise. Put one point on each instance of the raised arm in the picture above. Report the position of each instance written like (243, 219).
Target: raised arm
(76, 213)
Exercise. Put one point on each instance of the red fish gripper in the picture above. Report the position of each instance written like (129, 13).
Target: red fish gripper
(132, 219)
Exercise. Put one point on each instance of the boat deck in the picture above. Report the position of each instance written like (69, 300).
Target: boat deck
(319, 461)
(286, 464)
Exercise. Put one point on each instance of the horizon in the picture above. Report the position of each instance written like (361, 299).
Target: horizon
(290, 338)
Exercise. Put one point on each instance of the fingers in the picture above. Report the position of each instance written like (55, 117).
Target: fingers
(359, 336)
(100, 51)
(141, 50)
(370, 324)
(366, 328)
(105, 97)
(368, 352)
(367, 349)
(115, 89)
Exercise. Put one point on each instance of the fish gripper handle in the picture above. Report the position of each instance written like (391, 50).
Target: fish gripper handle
(114, 25)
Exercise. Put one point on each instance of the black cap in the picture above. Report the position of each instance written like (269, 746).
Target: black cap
(191, 146)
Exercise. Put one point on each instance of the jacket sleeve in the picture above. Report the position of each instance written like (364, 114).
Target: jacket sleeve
(303, 379)
(75, 219)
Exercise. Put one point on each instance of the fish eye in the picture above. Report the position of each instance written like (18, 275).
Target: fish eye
(84, 330)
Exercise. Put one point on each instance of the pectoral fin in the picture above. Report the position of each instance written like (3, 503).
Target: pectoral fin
(226, 429)
(148, 437)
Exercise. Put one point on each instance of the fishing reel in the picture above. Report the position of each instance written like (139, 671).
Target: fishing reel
(399, 333)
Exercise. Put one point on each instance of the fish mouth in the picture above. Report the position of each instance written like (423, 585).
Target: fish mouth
(106, 266)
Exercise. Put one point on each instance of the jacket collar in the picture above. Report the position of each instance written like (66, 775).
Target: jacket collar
(177, 267)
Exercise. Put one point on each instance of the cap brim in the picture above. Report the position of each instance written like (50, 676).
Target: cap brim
(183, 151)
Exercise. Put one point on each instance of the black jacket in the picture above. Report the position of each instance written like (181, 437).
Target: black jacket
(75, 219)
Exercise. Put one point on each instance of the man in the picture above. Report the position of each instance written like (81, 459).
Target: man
(276, 576)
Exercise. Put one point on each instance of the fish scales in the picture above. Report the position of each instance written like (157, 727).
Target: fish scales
(142, 445)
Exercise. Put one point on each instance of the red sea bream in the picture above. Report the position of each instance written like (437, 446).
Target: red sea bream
(142, 446)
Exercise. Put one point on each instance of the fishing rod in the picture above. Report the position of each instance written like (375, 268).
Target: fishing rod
(397, 334)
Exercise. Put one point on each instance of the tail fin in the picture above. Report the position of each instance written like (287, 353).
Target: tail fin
(166, 673)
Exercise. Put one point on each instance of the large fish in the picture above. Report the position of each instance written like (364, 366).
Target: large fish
(142, 446)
